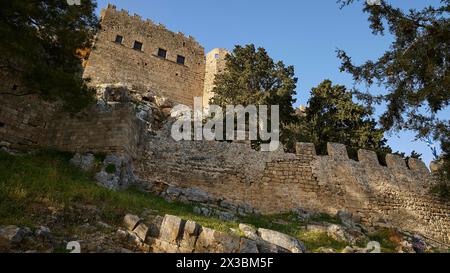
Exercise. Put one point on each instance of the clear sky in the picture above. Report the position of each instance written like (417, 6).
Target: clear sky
(302, 33)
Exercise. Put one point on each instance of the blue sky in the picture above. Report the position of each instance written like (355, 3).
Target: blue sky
(301, 33)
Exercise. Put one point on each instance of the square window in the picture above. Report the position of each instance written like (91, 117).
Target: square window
(119, 39)
(14, 87)
(181, 59)
(137, 45)
(162, 53)
(216, 56)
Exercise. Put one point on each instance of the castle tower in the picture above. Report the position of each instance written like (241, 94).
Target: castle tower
(215, 64)
(147, 56)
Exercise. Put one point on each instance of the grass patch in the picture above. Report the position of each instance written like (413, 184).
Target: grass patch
(389, 239)
(47, 179)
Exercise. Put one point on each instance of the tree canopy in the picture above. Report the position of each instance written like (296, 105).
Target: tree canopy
(39, 44)
(333, 116)
(252, 77)
(414, 70)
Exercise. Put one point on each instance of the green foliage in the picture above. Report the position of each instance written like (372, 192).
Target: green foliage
(47, 178)
(389, 239)
(442, 187)
(39, 44)
(251, 77)
(332, 116)
(414, 70)
(111, 168)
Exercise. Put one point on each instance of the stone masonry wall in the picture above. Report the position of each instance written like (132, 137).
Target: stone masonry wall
(111, 130)
(279, 182)
(111, 62)
(23, 118)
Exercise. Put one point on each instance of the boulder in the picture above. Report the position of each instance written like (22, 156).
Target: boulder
(249, 232)
(225, 216)
(141, 231)
(131, 221)
(43, 232)
(345, 235)
(85, 162)
(211, 241)
(190, 235)
(171, 229)
(154, 226)
(280, 239)
(117, 173)
(202, 211)
(12, 234)
(196, 195)
(161, 246)
(248, 246)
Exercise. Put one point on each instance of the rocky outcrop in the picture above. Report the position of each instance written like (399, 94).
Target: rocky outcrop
(180, 236)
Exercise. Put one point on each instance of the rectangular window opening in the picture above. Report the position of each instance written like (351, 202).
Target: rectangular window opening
(181, 59)
(137, 45)
(162, 53)
(119, 39)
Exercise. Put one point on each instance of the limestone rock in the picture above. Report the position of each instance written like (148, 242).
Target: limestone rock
(171, 229)
(44, 233)
(85, 162)
(131, 221)
(280, 239)
(339, 234)
(249, 232)
(190, 235)
(161, 246)
(141, 231)
(211, 241)
(12, 234)
(202, 211)
(248, 246)
(196, 195)
(117, 173)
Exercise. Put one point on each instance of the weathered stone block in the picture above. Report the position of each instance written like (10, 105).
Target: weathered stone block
(131, 221)
(211, 241)
(418, 166)
(337, 151)
(395, 162)
(141, 231)
(283, 240)
(248, 246)
(190, 235)
(368, 157)
(302, 148)
(171, 229)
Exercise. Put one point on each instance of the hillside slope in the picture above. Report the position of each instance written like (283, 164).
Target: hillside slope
(42, 191)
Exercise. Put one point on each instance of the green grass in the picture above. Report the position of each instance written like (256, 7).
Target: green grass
(111, 168)
(46, 179)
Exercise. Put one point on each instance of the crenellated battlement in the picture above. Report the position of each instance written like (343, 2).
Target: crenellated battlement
(368, 158)
(147, 56)
(137, 21)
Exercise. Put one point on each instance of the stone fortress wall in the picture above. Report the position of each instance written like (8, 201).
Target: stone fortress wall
(236, 176)
(179, 75)
(231, 173)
